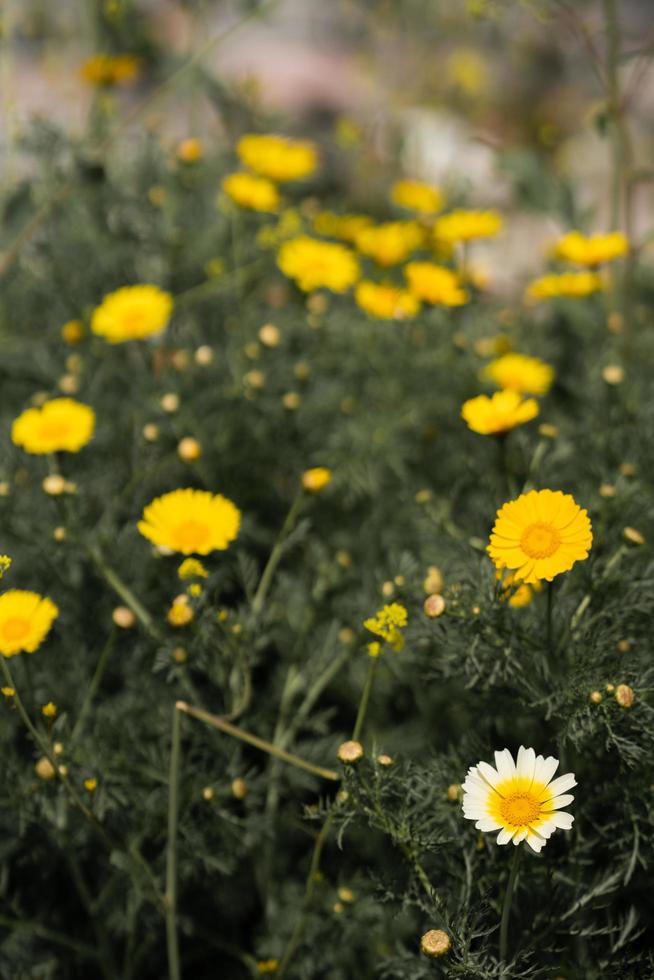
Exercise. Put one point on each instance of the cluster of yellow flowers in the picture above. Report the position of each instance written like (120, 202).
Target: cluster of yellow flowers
(516, 375)
(591, 252)
(270, 160)
(387, 623)
(110, 69)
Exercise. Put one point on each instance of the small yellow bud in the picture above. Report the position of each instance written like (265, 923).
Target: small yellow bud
(170, 402)
(613, 374)
(547, 430)
(207, 794)
(302, 371)
(222, 615)
(239, 788)
(180, 613)
(190, 150)
(180, 655)
(338, 908)
(350, 752)
(91, 784)
(4, 488)
(291, 401)
(268, 966)
(195, 589)
(342, 796)
(317, 303)
(346, 635)
(157, 196)
(387, 589)
(8, 691)
(44, 768)
(270, 335)
(384, 760)
(150, 432)
(346, 894)
(610, 688)
(72, 332)
(69, 384)
(624, 646)
(123, 617)
(374, 648)
(423, 496)
(596, 697)
(189, 449)
(58, 748)
(434, 943)
(624, 695)
(399, 581)
(203, 355)
(252, 351)
(180, 360)
(615, 322)
(74, 364)
(627, 469)
(344, 558)
(255, 379)
(59, 533)
(49, 710)
(54, 484)
(434, 606)
(633, 536)
(453, 792)
(63, 770)
(316, 479)
(434, 581)
(607, 490)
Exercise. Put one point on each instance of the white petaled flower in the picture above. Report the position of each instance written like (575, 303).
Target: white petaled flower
(520, 799)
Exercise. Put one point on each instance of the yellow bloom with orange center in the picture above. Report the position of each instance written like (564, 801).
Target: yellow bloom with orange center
(248, 191)
(435, 284)
(385, 301)
(316, 479)
(464, 226)
(25, 621)
(191, 522)
(61, 424)
(390, 243)
(519, 798)
(345, 227)
(591, 250)
(540, 535)
(498, 414)
(132, 313)
(528, 375)
(190, 150)
(415, 195)
(277, 157)
(575, 285)
(313, 264)
(107, 69)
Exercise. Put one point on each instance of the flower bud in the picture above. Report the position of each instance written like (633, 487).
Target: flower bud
(434, 943)
(203, 355)
(72, 332)
(270, 335)
(434, 606)
(613, 374)
(150, 432)
(350, 752)
(384, 760)
(434, 581)
(596, 697)
(624, 695)
(291, 401)
(207, 794)
(44, 768)
(607, 491)
(239, 788)
(189, 449)
(547, 430)
(316, 479)
(170, 402)
(453, 792)
(633, 536)
(346, 894)
(123, 617)
(190, 150)
(54, 484)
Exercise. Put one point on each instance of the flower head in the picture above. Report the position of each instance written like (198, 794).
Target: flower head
(277, 157)
(192, 568)
(25, 621)
(107, 69)
(391, 242)
(385, 301)
(314, 264)
(435, 284)
(518, 372)
(5, 564)
(191, 521)
(61, 424)
(415, 195)
(49, 710)
(520, 799)
(389, 623)
(575, 285)
(248, 191)
(316, 479)
(498, 414)
(540, 535)
(515, 592)
(132, 313)
(346, 227)
(463, 226)
(591, 250)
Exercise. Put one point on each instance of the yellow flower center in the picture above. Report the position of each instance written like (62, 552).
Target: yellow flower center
(191, 535)
(540, 540)
(15, 628)
(54, 429)
(519, 809)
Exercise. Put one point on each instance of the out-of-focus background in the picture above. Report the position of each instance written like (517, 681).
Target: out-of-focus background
(482, 96)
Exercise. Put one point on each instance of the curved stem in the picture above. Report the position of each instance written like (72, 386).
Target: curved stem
(365, 697)
(275, 556)
(171, 850)
(506, 910)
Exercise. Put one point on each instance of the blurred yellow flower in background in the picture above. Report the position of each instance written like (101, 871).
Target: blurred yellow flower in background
(107, 69)
(521, 373)
(25, 621)
(433, 283)
(191, 521)
(591, 250)
(316, 479)
(288, 226)
(132, 313)
(516, 593)
(498, 414)
(313, 264)
(61, 424)
(415, 195)
(190, 150)
(277, 157)
(343, 226)
(466, 70)
(388, 623)
(248, 191)
(463, 226)
(385, 301)
(390, 243)
(570, 284)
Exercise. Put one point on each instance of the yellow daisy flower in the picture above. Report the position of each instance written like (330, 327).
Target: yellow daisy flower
(313, 264)
(248, 191)
(500, 413)
(415, 195)
(575, 285)
(385, 301)
(592, 250)
(25, 621)
(540, 535)
(106, 69)
(61, 424)
(463, 226)
(433, 283)
(132, 313)
(277, 157)
(346, 227)
(518, 798)
(191, 521)
(521, 373)
(515, 592)
(390, 243)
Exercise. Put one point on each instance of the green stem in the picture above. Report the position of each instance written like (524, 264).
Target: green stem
(94, 685)
(506, 910)
(365, 698)
(550, 619)
(171, 850)
(275, 556)
(125, 593)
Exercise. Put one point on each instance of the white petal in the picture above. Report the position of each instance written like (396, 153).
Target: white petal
(560, 801)
(505, 836)
(561, 784)
(520, 836)
(545, 769)
(487, 823)
(505, 764)
(535, 843)
(490, 775)
(563, 820)
(546, 828)
(526, 763)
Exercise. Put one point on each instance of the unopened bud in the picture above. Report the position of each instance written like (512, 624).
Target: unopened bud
(434, 943)
(434, 606)
(239, 788)
(350, 752)
(624, 695)
(123, 617)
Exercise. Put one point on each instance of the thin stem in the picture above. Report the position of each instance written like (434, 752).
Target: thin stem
(275, 556)
(125, 593)
(550, 618)
(96, 680)
(506, 910)
(365, 698)
(171, 850)
(225, 726)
